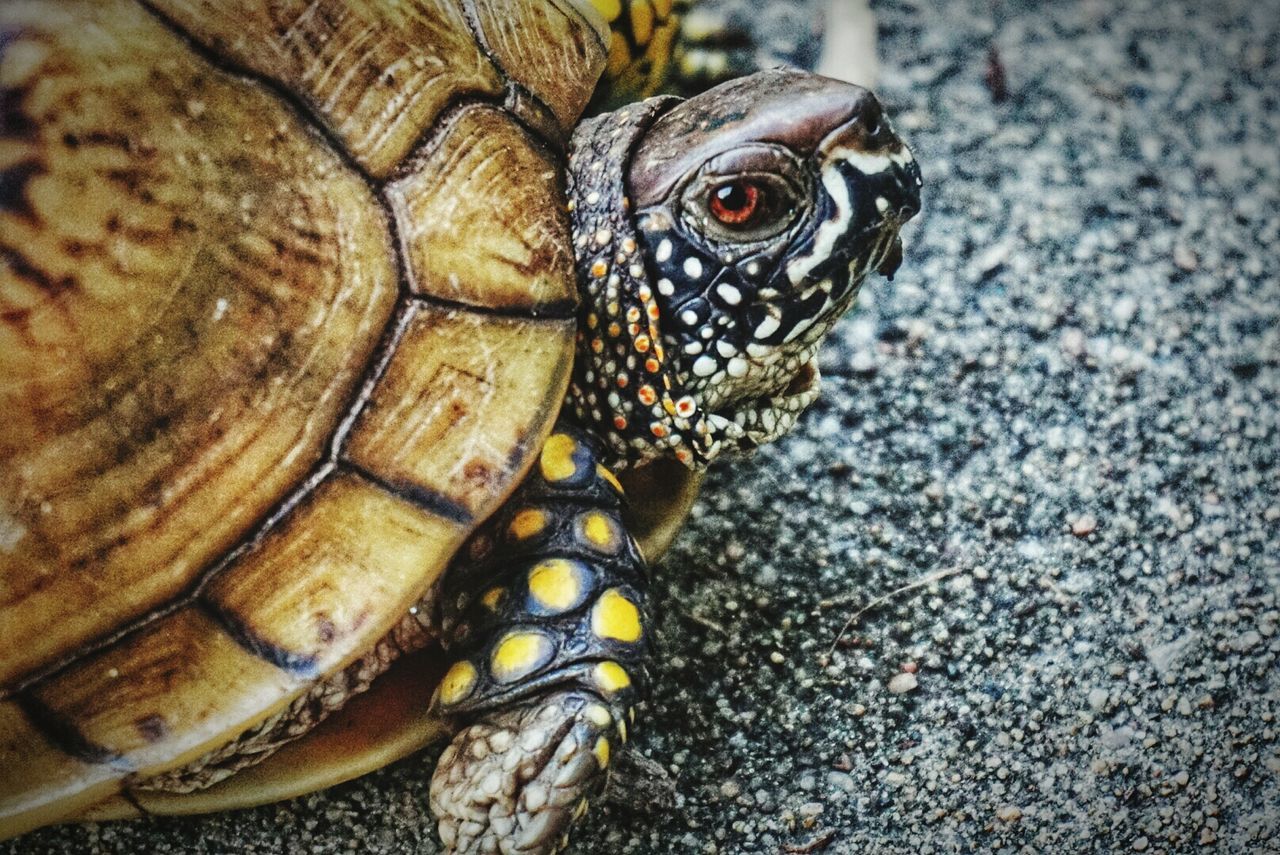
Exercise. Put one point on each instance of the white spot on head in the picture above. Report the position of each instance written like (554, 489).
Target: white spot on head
(664, 250)
(729, 294)
(704, 366)
(831, 231)
(689, 317)
(766, 328)
(693, 348)
(801, 325)
(665, 288)
(726, 349)
(882, 204)
(692, 267)
(753, 268)
(867, 164)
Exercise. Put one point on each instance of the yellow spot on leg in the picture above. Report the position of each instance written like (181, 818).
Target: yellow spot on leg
(557, 458)
(527, 523)
(598, 530)
(608, 9)
(458, 683)
(616, 617)
(601, 751)
(598, 715)
(619, 59)
(557, 584)
(610, 677)
(492, 598)
(604, 473)
(641, 21)
(519, 654)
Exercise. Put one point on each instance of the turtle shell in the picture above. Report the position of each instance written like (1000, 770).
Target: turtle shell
(286, 309)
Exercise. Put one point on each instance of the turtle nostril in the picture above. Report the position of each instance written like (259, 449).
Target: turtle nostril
(872, 118)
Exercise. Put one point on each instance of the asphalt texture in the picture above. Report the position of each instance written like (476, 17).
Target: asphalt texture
(1042, 486)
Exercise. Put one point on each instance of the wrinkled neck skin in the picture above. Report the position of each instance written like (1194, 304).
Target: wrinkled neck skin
(723, 367)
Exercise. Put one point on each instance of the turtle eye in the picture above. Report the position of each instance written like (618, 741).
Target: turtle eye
(736, 203)
(738, 200)
(737, 210)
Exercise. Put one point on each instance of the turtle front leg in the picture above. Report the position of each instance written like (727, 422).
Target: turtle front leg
(545, 611)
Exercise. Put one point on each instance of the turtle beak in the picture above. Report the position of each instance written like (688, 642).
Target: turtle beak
(880, 177)
(878, 165)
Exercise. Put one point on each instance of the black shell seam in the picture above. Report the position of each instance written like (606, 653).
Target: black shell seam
(66, 736)
(374, 368)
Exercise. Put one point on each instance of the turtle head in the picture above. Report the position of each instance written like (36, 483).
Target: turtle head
(758, 209)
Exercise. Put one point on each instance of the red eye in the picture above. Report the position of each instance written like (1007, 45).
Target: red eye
(734, 204)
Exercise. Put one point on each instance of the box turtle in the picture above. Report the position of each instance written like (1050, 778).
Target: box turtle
(329, 334)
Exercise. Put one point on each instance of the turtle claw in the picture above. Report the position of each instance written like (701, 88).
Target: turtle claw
(515, 781)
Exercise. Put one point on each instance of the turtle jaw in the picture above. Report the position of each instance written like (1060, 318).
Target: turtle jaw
(775, 376)
(754, 422)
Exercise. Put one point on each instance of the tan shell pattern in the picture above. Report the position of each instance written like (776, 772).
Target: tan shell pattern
(286, 305)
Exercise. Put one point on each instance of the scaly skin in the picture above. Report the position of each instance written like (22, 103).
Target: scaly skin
(718, 240)
(545, 609)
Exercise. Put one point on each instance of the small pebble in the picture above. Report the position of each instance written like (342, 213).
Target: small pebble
(1185, 259)
(902, 683)
(1084, 524)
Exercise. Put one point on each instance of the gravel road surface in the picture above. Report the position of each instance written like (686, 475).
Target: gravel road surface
(1042, 490)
